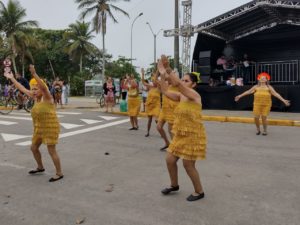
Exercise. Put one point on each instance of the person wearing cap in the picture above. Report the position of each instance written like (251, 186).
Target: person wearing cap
(45, 122)
(262, 104)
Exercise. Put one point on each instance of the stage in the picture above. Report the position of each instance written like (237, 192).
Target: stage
(222, 97)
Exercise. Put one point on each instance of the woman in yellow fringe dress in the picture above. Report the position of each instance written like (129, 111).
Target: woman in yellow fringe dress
(134, 101)
(189, 141)
(167, 115)
(262, 100)
(153, 100)
(45, 122)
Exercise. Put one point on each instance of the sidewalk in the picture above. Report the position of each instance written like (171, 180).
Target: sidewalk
(275, 118)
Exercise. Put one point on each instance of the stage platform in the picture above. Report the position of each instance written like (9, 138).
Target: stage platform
(222, 97)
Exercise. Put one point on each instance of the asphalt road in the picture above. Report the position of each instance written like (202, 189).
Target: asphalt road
(113, 176)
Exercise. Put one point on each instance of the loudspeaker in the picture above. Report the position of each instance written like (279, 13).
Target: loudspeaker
(204, 70)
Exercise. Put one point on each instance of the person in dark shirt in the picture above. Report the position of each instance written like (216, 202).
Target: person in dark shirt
(20, 95)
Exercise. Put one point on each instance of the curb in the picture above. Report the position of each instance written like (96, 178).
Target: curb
(233, 119)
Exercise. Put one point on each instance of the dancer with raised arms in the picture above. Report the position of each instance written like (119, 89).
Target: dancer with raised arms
(189, 141)
(45, 122)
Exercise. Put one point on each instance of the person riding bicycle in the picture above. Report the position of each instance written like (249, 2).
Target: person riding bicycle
(57, 91)
(21, 96)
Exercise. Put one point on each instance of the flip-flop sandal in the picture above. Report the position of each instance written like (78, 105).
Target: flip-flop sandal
(164, 148)
(37, 170)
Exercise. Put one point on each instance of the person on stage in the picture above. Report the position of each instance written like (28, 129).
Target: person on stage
(153, 100)
(262, 100)
(189, 141)
(134, 101)
(45, 122)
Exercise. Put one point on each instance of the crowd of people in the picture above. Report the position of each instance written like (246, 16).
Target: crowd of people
(170, 100)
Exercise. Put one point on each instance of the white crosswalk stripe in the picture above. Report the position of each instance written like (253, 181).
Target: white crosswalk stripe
(88, 121)
(13, 137)
(7, 123)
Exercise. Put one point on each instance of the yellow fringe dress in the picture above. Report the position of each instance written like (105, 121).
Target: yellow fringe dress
(134, 102)
(153, 102)
(262, 102)
(189, 140)
(168, 107)
(45, 123)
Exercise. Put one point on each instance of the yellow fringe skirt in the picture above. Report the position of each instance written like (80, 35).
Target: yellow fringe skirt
(134, 106)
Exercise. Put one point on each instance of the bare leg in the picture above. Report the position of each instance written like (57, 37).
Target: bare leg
(191, 170)
(170, 126)
(37, 154)
(264, 122)
(55, 159)
(131, 121)
(135, 122)
(256, 120)
(163, 134)
(171, 161)
(149, 125)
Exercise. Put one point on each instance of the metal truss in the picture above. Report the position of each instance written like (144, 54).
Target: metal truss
(186, 31)
(244, 9)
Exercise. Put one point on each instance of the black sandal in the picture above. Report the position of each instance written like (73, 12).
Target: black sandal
(147, 135)
(192, 198)
(164, 148)
(169, 190)
(37, 170)
(265, 133)
(52, 179)
(258, 133)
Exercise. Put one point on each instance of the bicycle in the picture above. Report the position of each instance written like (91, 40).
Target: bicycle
(100, 100)
(7, 101)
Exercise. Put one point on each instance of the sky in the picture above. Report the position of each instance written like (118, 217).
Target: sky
(59, 14)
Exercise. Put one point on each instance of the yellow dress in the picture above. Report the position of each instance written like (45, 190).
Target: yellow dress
(168, 107)
(45, 123)
(153, 102)
(189, 140)
(262, 102)
(134, 102)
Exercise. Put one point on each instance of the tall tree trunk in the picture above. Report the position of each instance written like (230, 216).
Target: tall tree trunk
(80, 63)
(23, 63)
(14, 55)
(53, 73)
(103, 56)
(176, 38)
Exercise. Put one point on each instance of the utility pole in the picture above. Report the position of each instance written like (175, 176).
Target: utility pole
(176, 38)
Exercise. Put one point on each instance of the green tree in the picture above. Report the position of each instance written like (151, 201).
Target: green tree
(102, 10)
(78, 44)
(15, 29)
(118, 68)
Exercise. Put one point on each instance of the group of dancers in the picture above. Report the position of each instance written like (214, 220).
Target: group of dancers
(181, 109)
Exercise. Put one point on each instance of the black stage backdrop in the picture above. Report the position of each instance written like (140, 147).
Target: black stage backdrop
(222, 97)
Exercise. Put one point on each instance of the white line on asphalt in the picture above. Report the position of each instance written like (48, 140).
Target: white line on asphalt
(70, 125)
(12, 137)
(69, 113)
(88, 121)
(16, 118)
(86, 130)
(20, 114)
(12, 165)
(7, 123)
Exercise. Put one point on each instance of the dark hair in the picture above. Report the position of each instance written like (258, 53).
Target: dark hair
(193, 77)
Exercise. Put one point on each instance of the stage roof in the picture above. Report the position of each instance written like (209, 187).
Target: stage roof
(250, 18)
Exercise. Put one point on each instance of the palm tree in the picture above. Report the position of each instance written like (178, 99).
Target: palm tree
(78, 38)
(12, 24)
(102, 9)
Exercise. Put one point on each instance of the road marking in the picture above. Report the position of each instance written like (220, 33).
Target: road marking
(7, 123)
(20, 114)
(13, 137)
(16, 118)
(108, 117)
(87, 121)
(70, 125)
(12, 165)
(86, 130)
(69, 113)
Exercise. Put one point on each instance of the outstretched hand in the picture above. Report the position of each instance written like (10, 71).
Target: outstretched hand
(237, 98)
(287, 102)
(32, 69)
(9, 75)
